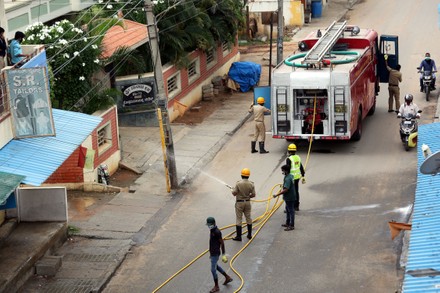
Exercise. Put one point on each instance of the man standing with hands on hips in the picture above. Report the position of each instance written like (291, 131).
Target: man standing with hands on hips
(260, 129)
(216, 245)
(393, 85)
(244, 190)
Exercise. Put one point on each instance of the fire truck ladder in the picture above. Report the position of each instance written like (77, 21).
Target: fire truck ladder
(283, 123)
(325, 43)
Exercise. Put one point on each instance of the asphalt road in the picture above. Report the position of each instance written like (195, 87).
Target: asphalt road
(341, 243)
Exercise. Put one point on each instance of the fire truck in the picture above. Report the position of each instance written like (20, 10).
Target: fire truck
(330, 87)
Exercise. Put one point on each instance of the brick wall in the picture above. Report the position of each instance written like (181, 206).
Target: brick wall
(68, 172)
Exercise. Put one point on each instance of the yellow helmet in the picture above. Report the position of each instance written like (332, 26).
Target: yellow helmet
(246, 172)
(260, 100)
(291, 147)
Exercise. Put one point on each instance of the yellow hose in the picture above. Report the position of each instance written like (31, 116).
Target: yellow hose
(260, 221)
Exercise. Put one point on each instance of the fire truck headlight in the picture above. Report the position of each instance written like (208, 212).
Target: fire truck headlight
(356, 30)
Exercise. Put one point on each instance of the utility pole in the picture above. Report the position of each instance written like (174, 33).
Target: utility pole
(161, 94)
(280, 32)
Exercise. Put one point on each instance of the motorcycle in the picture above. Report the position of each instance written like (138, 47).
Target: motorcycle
(103, 174)
(427, 82)
(408, 130)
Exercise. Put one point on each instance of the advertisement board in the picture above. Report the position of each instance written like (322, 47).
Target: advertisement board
(28, 93)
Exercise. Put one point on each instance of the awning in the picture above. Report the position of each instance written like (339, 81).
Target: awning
(37, 158)
(8, 183)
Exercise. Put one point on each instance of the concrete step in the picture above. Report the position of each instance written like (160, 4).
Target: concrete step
(24, 246)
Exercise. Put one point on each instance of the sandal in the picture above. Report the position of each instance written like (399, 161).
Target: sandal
(214, 289)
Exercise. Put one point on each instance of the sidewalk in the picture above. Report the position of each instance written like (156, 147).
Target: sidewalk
(89, 261)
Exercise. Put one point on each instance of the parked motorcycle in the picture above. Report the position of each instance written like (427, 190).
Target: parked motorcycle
(427, 82)
(103, 174)
(408, 130)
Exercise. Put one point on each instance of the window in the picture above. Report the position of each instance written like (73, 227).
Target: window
(173, 85)
(210, 57)
(226, 48)
(4, 108)
(194, 70)
(104, 138)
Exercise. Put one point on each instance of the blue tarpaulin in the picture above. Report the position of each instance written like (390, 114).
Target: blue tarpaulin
(246, 74)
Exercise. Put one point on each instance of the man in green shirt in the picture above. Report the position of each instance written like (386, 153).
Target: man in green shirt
(289, 197)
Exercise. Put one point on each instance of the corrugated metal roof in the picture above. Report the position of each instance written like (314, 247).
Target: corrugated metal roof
(37, 158)
(422, 272)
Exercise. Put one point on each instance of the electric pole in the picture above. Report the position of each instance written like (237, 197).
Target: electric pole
(161, 94)
(280, 32)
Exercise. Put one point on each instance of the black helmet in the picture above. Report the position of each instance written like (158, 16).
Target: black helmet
(210, 221)
(408, 98)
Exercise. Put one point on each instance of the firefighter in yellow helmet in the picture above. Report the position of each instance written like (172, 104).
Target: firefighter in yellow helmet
(243, 191)
(293, 161)
(260, 129)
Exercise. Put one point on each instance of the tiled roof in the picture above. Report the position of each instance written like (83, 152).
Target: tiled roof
(132, 35)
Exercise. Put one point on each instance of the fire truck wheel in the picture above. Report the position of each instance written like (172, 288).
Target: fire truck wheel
(358, 133)
(373, 108)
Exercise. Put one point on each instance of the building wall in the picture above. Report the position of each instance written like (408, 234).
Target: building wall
(191, 92)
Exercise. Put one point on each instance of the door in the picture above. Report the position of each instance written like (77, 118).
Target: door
(388, 45)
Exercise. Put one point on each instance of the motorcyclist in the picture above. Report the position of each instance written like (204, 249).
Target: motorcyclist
(408, 107)
(427, 64)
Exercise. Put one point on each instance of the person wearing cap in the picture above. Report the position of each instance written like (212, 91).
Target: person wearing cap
(15, 48)
(243, 191)
(216, 245)
(296, 169)
(427, 64)
(289, 197)
(260, 128)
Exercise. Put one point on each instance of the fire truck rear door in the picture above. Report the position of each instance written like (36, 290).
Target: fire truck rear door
(388, 45)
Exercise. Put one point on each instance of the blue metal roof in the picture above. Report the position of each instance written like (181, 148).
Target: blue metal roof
(37, 158)
(422, 272)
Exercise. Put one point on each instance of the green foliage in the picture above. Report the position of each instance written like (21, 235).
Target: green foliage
(100, 100)
(73, 57)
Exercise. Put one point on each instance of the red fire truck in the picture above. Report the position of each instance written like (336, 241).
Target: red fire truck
(331, 86)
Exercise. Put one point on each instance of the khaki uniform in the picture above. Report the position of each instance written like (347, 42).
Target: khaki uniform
(393, 88)
(260, 129)
(244, 190)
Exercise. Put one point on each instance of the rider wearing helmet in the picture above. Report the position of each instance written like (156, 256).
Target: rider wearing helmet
(243, 191)
(409, 107)
(427, 64)
(296, 169)
(260, 129)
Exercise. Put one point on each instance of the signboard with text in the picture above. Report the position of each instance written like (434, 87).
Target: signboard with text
(29, 100)
(136, 92)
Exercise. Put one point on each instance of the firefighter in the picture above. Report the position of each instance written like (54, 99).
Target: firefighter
(260, 129)
(243, 191)
(296, 169)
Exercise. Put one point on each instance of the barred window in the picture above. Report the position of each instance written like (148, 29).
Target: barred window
(210, 57)
(173, 85)
(104, 138)
(3, 98)
(194, 70)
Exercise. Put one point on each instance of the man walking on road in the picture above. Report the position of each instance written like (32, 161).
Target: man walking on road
(393, 86)
(296, 169)
(260, 129)
(216, 244)
(243, 191)
(289, 197)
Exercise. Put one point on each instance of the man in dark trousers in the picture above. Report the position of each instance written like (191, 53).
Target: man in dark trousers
(216, 244)
(243, 191)
(393, 86)
(296, 169)
(289, 196)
